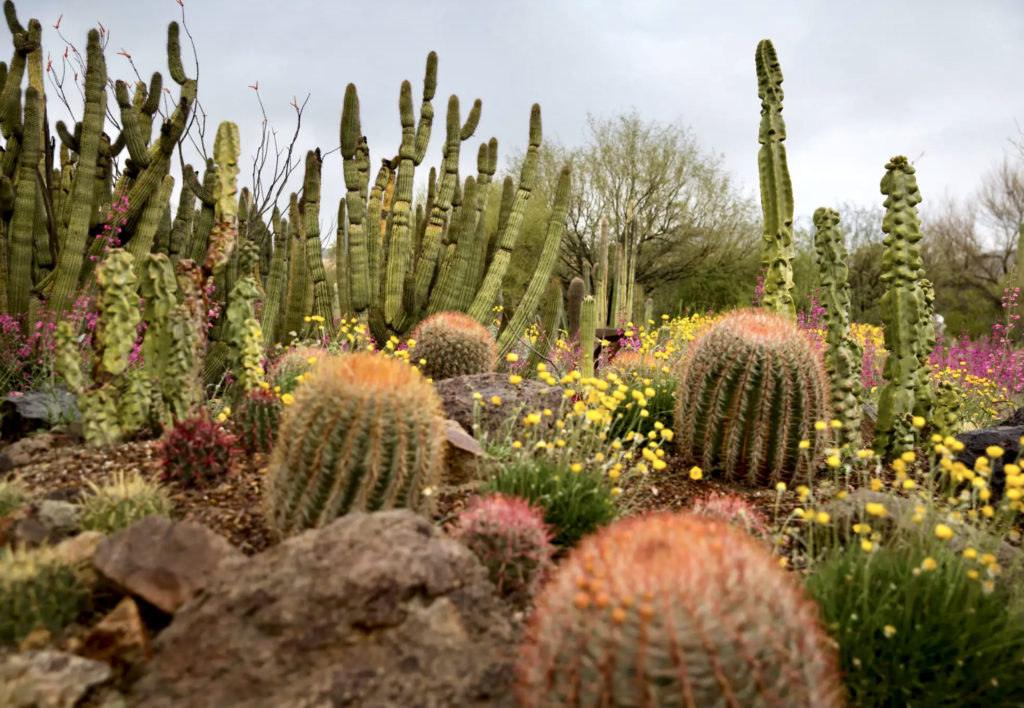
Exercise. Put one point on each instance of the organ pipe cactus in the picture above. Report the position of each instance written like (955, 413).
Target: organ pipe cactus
(588, 334)
(843, 357)
(572, 308)
(750, 390)
(366, 432)
(904, 309)
(675, 610)
(776, 187)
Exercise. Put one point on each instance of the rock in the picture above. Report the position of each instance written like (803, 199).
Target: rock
(868, 416)
(28, 449)
(163, 562)
(79, 550)
(1015, 419)
(24, 413)
(463, 455)
(48, 679)
(121, 635)
(975, 442)
(378, 610)
(60, 516)
(6, 465)
(457, 398)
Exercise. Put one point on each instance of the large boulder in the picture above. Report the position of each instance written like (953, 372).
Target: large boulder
(376, 610)
(977, 441)
(48, 679)
(528, 396)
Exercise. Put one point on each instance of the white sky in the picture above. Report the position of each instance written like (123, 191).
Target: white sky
(937, 80)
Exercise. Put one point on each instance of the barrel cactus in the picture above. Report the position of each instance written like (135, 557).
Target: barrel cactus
(256, 419)
(452, 344)
(38, 590)
(365, 433)
(675, 610)
(750, 390)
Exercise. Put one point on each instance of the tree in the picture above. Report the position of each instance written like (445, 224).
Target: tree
(691, 220)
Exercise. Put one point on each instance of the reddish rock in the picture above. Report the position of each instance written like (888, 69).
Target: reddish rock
(121, 635)
(376, 610)
(163, 562)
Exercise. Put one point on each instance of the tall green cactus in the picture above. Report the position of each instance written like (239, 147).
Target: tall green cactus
(601, 279)
(675, 610)
(588, 335)
(572, 308)
(310, 213)
(843, 357)
(365, 433)
(24, 216)
(776, 186)
(750, 390)
(550, 319)
(903, 309)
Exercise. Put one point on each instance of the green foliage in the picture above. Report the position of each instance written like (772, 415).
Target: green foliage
(643, 373)
(453, 344)
(122, 501)
(365, 433)
(910, 635)
(38, 590)
(675, 610)
(575, 504)
(751, 389)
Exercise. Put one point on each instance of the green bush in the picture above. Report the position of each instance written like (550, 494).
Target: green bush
(643, 373)
(915, 629)
(121, 502)
(575, 504)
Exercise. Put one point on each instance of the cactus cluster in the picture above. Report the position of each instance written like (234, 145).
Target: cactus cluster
(511, 540)
(750, 390)
(256, 419)
(675, 610)
(905, 314)
(843, 356)
(197, 452)
(452, 344)
(365, 433)
(38, 590)
(122, 501)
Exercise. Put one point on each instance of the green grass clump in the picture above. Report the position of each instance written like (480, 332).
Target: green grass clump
(12, 497)
(121, 502)
(575, 503)
(919, 625)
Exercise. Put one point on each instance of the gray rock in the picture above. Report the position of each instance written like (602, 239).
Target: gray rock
(48, 679)
(164, 562)
(23, 413)
(377, 610)
(975, 442)
(457, 398)
(462, 456)
(29, 449)
(60, 516)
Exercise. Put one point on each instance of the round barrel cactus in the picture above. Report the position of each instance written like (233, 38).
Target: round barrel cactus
(751, 388)
(453, 344)
(365, 433)
(670, 611)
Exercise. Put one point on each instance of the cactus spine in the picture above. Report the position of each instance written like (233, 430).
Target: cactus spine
(843, 357)
(776, 187)
(904, 310)
(675, 610)
(751, 388)
(365, 433)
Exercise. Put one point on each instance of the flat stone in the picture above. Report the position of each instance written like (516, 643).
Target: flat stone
(164, 562)
(48, 679)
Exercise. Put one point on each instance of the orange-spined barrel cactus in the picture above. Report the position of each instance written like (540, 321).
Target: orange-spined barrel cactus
(365, 432)
(675, 611)
(750, 390)
(453, 344)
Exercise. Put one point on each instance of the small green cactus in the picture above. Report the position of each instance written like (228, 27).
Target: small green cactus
(122, 501)
(38, 590)
(365, 433)
(675, 610)
(750, 390)
(256, 419)
(119, 315)
(453, 344)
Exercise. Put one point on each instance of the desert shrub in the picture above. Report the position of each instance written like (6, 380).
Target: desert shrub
(38, 590)
(918, 625)
(12, 496)
(652, 388)
(125, 499)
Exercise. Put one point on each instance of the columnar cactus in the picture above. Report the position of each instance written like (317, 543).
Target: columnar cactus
(843, 357)
(675, 610)
(750, 390)
(365, 433)
(601, 279)
(776, 187)
(588, 334)
(904, 309)
(572, 308)
(453, 344)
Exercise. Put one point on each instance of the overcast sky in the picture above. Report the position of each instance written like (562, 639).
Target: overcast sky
(937, 80)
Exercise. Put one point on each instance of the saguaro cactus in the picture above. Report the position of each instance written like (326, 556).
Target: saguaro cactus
(843, 357)
(903, 308)
(776, 187)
